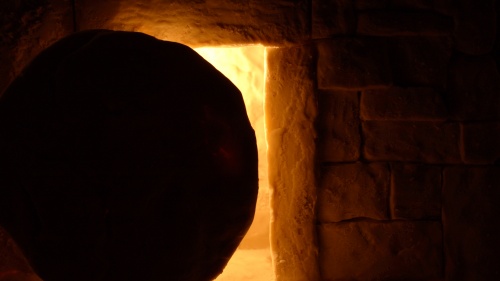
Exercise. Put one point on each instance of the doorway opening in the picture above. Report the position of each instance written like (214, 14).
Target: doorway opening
(245, 67)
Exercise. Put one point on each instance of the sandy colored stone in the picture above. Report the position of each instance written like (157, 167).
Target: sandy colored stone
(291, 111)
(377, 62)
(470, 220)
(202, 23)
(427, 142)
(417, 104)
(441, 6)
(420, 61)
(367, 251)
(481, 143)
(352, 191)
(415, 191)
(338, 126)
(474, 87)
(391, 23)
(332, 17)
(358, 63)
(475, 28)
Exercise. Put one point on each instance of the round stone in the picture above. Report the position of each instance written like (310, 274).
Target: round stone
(124, 157)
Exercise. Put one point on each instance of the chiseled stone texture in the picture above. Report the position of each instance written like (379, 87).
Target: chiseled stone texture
(481, 143)
(291, 112)
(393, 250)
(395, 103)
(396, 23)
(332, 17)
(351, 191)
(474, 87)
(201, 23)
(338, 126)
(428, 142)
(420, 61)
(475, 28)
(378, 62)
(471, 225)
(415, 191)
(357, 63)
(439, 6)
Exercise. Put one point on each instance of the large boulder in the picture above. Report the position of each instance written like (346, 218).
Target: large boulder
(123, 157)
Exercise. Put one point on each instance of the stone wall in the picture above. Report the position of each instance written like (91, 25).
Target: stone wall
(404, 96)
(409, 130)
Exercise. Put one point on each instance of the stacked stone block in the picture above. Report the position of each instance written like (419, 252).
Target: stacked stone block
(409, 133)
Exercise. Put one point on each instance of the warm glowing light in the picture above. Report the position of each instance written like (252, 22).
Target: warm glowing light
(244, 66)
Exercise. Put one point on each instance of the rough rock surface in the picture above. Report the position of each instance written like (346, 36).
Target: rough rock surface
(439, 6)
(475, 29)
(427, 142)
(416, 191)
(290, 114)
(338, 126)
(26, 28)
(395, 103)
(202, 23)
(420, 61)
(403, 24)
(470, 220)
(475, 84)
(125, 158)
(353, 191)
(480, 143)
(332, 17)
(372, 250)
(348, 64)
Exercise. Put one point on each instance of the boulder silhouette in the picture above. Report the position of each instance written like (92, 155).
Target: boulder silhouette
(124, 157)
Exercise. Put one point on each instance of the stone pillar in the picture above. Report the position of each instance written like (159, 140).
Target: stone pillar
(291, 110)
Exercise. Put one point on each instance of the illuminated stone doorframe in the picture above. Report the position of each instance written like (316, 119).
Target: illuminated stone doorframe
(291, 110)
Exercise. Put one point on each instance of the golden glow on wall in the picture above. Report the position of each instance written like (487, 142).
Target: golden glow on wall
(245, 67)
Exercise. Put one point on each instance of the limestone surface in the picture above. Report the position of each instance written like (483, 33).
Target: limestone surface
(396, 103)
(350, 64)
(415, 191)
(353, 191)
(480, 143)
(470, 221)
(332, 17)
(475, 84)
(390, 250)
(385, 23)
(338, 126)
(291, 110)
(202, 23)
(426, 142)
(475, 26)
(439, 6)
(420, 60)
